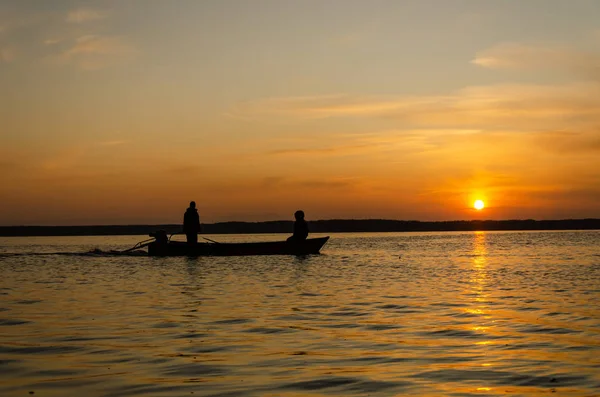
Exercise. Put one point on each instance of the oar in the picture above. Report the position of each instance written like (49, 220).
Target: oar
(138, 246)
(212, 241)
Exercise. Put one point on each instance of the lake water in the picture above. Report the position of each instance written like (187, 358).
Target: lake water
(408, 314)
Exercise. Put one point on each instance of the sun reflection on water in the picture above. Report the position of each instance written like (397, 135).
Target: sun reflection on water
(479, 290)
(479, 276)
(479, 250)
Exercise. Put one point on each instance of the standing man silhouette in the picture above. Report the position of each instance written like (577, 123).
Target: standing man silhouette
(191, 223)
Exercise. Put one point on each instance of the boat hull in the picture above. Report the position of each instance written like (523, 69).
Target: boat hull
(177, 248)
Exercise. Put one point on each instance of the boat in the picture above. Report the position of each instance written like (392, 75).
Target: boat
(161, 247)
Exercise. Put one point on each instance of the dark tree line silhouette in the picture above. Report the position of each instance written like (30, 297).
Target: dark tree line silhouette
(321, 226)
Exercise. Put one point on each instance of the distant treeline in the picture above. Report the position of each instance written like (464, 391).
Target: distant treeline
(323, 226)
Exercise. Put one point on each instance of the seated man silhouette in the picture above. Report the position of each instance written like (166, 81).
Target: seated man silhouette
(191, 223)
(300, 228)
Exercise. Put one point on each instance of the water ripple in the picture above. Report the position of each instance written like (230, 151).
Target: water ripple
(503, 378)
(458, 314)
(10, 322)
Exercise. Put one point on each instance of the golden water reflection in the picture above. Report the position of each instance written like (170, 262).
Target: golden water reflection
(479, 250)
(454, 316)
(479, 291)
(479, 277)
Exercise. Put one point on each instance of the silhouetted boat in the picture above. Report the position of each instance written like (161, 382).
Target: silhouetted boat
(179, 248)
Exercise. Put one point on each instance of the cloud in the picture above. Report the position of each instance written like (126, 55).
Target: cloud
(515, 107)
(570, 142)
(271, 181)
(326, 106)
(92, 44)
(543, 57)
(321, 151)
(62, 36)
(15, 21)
(73, 158)
(363, 143)
(569, 194)
(329, 183)
(497, 107)
(522, 108)
(83, 15)
(320, 183)
(388, 146)
(285, 106)
(93, 52)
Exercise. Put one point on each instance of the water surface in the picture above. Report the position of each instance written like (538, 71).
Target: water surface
(411, 314)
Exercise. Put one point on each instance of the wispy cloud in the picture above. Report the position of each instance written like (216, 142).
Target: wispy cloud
(387, 145)
(505, 107)
(330, 183)
(525, 107)
(111, 143)
(283, 106)
(69, 38)
(83, 15)
(92, 44)
(272, 182)
(570, 142)
(52, 41)
(567, 194)
(302, 151)
(540, 57)
(326, 151)
(11, 21)
(561, 120)
(72, 157)
(93, 52)
(326, 106)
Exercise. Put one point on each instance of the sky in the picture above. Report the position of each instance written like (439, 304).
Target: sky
(121, 112)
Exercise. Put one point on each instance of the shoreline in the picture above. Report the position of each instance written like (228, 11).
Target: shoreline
(318, 226)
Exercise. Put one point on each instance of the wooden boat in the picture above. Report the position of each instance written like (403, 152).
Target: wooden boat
(179, 248)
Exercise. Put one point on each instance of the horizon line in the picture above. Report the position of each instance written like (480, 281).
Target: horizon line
(318, 220)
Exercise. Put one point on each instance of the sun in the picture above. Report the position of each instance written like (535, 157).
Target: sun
(478, 204)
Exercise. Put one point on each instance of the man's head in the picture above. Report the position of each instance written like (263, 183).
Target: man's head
(299, 215)
(192, 204)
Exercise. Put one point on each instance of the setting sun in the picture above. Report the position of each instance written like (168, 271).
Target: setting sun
(479, 204)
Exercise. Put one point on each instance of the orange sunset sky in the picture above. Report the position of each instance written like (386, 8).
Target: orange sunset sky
(120, 112)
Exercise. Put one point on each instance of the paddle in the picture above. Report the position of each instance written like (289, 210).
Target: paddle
(212, 241)
(139, 245)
